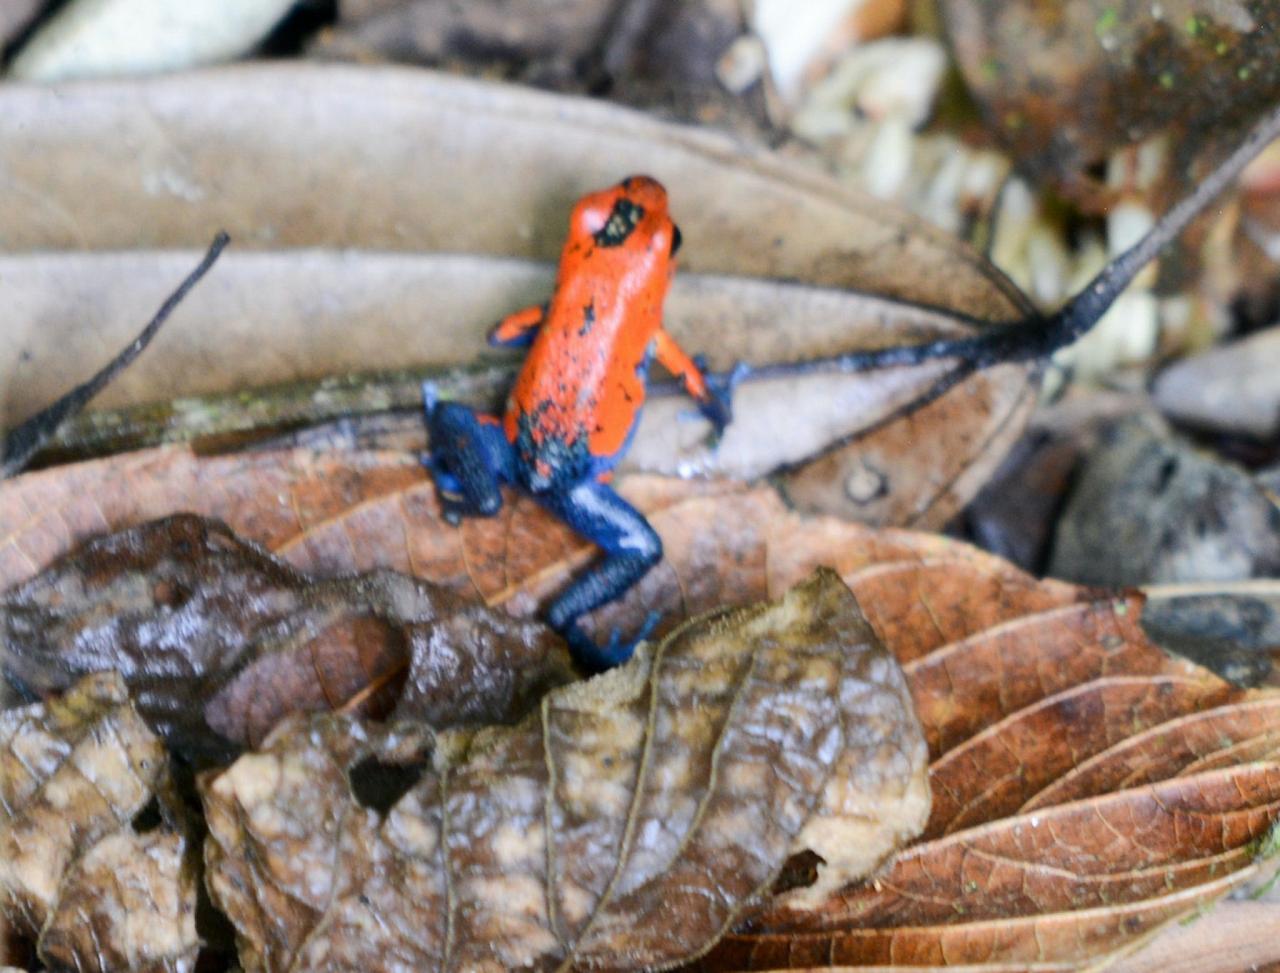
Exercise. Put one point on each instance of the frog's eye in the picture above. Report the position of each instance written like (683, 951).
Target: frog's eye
(676, 239)
(623, 219)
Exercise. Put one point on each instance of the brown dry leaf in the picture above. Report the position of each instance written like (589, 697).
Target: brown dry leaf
(212, 633)
(73, 774)
(1064, 85)
(1089, 791)
(1038, 698)
(353, 158)
(129, 904)
(623, 826)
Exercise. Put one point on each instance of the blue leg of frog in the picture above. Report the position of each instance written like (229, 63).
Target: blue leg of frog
(631, 547)
(470, 459)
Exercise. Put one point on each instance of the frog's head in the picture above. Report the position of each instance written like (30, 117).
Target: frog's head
(632, 215)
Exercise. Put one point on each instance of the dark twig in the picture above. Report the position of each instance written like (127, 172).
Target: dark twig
(1038, 337)
(21, 443)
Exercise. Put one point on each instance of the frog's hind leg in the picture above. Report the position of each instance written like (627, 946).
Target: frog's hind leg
(631, 547)
(470, 458)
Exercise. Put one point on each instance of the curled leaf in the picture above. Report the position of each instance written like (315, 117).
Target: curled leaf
(619, 827)
(73, 771)
(101, 898)
(129, 904)
(212, 633)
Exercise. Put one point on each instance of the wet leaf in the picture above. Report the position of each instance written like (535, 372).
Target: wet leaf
(73, 775)
(304, 172)
(620, 827)
(74, 771)
(1039, 700)
(218, 640)
(1065, 85)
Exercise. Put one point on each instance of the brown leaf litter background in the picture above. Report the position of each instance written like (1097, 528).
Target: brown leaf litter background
(158, 167)
(624, 824)
(100, 897)
(1088, 788)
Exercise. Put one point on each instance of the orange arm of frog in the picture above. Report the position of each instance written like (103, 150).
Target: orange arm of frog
(517, 329)
(680, 365)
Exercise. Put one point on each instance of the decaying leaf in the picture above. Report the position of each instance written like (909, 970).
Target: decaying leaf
(351, 158)
(1066, 84)
(73, 775)
(622, 826)
(213, 634)
(1041, 701)
(129, 904)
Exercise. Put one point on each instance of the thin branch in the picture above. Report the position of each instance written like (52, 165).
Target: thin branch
(21, 443)
(1039, 337)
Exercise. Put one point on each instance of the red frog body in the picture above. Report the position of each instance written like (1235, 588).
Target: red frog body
(578, 397)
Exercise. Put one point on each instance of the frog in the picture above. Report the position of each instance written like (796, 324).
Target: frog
(576, 401)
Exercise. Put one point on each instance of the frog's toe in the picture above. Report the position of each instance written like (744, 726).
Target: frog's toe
(430, 397)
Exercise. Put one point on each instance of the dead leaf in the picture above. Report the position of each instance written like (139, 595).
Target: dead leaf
(218, 640)
(345, 314)
(73, 774)
(1037, 697)
(620, 827)
(128, 904)
(1086, 793)
(351, 158)
(1065, 85)
(107, 38)
(337, 514)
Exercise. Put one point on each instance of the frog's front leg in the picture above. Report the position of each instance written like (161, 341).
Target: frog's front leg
(631, 547)
(470, 458)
